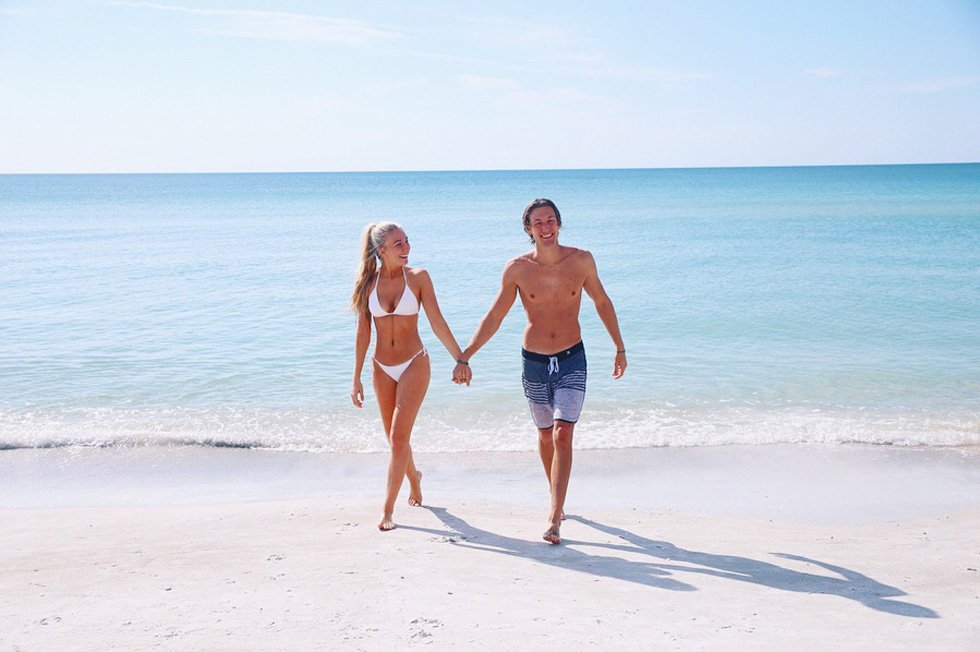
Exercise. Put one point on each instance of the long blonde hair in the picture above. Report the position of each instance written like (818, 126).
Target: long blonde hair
(372, 239)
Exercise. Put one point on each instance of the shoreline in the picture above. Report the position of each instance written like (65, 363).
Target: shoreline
(809, 546)
(807, 482)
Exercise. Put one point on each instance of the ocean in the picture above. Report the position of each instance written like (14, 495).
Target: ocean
(758, 305)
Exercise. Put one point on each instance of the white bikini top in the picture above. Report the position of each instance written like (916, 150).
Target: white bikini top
(407, 303)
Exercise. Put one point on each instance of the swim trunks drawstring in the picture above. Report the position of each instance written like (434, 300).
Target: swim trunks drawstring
(552, 364)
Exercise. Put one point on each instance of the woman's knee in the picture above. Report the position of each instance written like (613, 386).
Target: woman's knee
(399, 440)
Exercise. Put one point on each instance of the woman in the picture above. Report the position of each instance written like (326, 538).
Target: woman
(392, 296)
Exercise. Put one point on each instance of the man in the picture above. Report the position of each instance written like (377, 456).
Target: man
(550, 280)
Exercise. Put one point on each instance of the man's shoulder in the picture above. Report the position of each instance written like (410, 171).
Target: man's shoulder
(519, 268)
(578, 256)
(519, 261)
(577, 251)
(567, 252)
(529, 262)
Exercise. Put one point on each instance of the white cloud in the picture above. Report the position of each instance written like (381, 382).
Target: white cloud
(17, 11)
(510, 94)
(940, 84)
(480, 82)
(511, 34)
(599, 68)
(550, 49)
(641, 73)
(439, 56)
(30, 11)
(279, 25)
(556, 101)
(823, 72)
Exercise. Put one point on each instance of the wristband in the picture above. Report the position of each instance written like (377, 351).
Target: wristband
(621, 351)
(464, 362)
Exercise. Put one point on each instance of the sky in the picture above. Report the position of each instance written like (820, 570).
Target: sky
(250, 85)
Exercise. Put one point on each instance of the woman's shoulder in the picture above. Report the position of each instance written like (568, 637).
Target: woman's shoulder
(418, 274)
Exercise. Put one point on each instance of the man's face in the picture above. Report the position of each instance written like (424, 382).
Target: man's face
(543, 226)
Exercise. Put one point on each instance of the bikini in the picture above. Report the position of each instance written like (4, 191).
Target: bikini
(407, 305)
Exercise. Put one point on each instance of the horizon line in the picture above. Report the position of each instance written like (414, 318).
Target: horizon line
(456, 170)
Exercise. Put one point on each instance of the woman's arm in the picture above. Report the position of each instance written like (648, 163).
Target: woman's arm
(361, 343)
(432, 312)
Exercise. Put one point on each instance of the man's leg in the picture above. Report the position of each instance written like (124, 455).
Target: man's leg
(546, 448)
(569, 395)
(561, 470)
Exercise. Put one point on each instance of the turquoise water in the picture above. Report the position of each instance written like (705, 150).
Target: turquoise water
(758, 305)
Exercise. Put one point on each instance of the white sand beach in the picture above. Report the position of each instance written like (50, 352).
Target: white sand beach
(809, 547)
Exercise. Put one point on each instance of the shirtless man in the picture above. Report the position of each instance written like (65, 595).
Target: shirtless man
(550, 280)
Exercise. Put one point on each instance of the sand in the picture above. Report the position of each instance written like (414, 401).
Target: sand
(809, 547)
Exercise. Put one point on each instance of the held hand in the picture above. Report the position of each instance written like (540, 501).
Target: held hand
(619, 366)
(357, 394)
(462, 374)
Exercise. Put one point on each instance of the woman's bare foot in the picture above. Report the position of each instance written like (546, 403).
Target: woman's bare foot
(386, 523)
(552, 535)
(415, 495)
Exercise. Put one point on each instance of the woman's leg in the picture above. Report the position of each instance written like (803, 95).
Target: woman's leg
(409, 392)
(384, 389)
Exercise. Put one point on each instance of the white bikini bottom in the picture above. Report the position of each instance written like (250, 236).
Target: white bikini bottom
(396, 370)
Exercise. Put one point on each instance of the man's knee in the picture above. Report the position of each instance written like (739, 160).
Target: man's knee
(546, 435)
(563, 433)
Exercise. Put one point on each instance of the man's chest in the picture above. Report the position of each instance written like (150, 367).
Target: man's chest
(559, 283)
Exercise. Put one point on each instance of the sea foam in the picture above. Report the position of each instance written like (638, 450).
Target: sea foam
(474, 429)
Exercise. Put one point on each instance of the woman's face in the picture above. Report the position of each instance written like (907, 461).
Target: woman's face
(394, 251)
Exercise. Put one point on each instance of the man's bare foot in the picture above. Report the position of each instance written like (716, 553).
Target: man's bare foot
(552, 536)
(415, 495)
(386, 524)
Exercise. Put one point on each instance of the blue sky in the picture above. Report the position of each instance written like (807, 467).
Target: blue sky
(242, 85)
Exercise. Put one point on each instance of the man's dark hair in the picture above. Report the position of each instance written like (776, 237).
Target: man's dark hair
(538, 203)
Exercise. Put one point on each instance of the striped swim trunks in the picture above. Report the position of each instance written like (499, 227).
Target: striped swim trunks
(555, 385)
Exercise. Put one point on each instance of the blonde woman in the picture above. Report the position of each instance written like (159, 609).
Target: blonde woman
(392, 297)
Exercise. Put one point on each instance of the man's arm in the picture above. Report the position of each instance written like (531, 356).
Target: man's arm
(607, 313)
(495, 316)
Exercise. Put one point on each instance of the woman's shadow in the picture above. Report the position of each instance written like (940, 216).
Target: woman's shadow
(667, 560)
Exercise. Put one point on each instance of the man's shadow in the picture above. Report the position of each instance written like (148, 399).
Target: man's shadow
(464, 535)
(667, 560)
